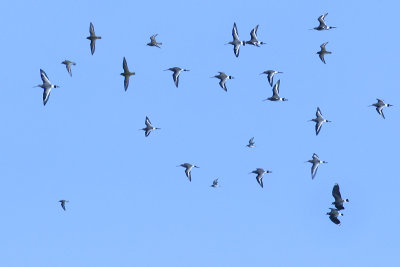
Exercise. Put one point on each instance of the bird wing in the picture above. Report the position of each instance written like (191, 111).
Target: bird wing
(271, 77)
(68, 66)
(318, 113)
(380, 111)
(63, 205)
(175, 76)
(314, 169)
(91, 30)
(321, 56)
(44, 77)
(148, 122)
(125, 65)
(92, 45)
(334, 219)
(126, 82)
(46, 95)
(259, 180)
(318, 127)
(322, 21)
(235, 32)
(323, 46)
(222, 84)
(188, 174)
(275, 89)
(153, 37)
(236, 49)
(253, 33)
(336, 193)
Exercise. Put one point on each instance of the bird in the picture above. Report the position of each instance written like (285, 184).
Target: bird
(333, 215)
(188, 168)
(149, 127)
(153, 41)
(323, 52)
(47, 86)
(322, 25)
(236, 42)
(254, 40)
(223, 77)
(251, 142)
(379, 106)
(275, 96)
(68, 64)
(63, 203)
(92, 38)
(126, 74)
(338, 198)
(177, 71)
(318, 121)
(271, 74)
(315, 163)
(260, 174)
(215, 183)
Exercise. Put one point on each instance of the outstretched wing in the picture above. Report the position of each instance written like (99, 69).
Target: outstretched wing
(91, 30)
(235, 34)
(46, 95)
(321, 20)
(44, 77)
(334, 219)
(314, 169)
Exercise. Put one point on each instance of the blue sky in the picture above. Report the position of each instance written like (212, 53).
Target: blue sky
(129, 204)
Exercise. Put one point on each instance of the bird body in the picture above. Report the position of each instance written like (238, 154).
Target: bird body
(275, 93)
(251, 142)
(323, 52)
(188, 169)
(333, 215)
(68, 64)
(315, 163)
(318, 121)
(126, 74)
(153, 41)
(379, 106)
(338, 198)
(260, 174)
(223, 78)
(46, 85)
(92, 38)
(236, 42)
(215, 183)
(149, 127)
(175, 75)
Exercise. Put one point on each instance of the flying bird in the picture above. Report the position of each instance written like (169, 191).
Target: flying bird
(260, 174)
(323, 52)
(126, 74)
(270, 76)
(188, 168)
(338, 198)
(318, 121)
(68, 66)
(254, 40)
(251, 142)
(333, 215)
(92, 38)
(223, 78)
(177, 71)
(236, 42)
(153, 41)
(315, 163)
(275, 93)
(215, 183)
(149, 127)
(47, 86)
(322, 25)
(379, 106)
(63, 203)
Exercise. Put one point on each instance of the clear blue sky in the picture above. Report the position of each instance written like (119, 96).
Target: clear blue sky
(129, 203)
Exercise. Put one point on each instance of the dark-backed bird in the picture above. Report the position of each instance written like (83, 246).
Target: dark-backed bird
(338, 198)
(68, 65)
(126, 74)
(153, 41)
(63, 201)
(215, 183)
(149, 127)
(323, 52)
(333, 215)
(92, 38)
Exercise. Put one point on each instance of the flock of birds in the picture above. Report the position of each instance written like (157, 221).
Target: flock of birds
(334, 213)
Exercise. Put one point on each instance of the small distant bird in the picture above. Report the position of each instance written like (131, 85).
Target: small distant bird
(126, 74)
(177, 71)
(92, 38)
(63, 203)
(153, 41)
(323, 52)
(322, 25)
(251, 142)
(254, 40)
(223, 77)
(271, 74)
(47, 86)
(333, 215)
(236, 42)
(275, 93)
(188, 170)
(149, 127)
(338, 198)
(318, 121)
(315, 163)
(215, 183)
(260, 174)
(68, 66)
(379, 106)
